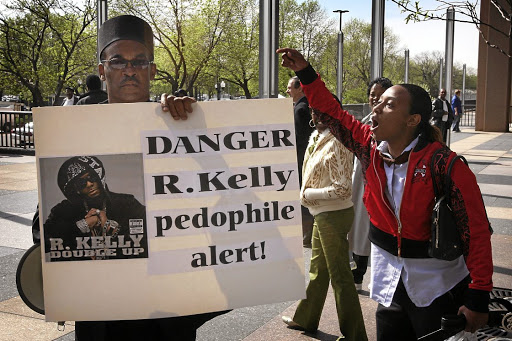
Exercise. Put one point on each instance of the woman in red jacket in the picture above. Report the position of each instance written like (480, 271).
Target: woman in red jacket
(412, 289)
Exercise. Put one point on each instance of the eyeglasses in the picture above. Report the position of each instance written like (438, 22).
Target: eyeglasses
(120, 63)
(81, 183)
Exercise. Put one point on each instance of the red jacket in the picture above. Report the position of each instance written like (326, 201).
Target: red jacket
(408, 234)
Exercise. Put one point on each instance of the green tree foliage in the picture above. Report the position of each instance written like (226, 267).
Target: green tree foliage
(186, 33)
(424, 71)
(22, 40)
(356, 60)
(307, 27)
(236, 57)
(46, 44)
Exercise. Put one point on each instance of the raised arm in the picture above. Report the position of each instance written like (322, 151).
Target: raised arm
(353, 134)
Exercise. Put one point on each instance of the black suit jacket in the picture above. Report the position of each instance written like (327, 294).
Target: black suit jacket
(302, 130)
(438, 111)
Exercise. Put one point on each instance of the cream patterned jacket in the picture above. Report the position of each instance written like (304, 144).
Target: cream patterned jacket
(326, 174)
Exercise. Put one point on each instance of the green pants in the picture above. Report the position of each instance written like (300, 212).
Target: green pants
(329, 261)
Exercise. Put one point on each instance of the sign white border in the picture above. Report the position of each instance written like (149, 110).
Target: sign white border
(145, 288)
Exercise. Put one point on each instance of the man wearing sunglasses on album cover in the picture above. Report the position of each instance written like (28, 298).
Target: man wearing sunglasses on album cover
(92, 210)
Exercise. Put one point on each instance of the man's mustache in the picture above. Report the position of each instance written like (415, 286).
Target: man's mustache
(129, 79)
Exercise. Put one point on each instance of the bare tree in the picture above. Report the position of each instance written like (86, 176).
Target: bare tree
(467, 11)
(425, 71)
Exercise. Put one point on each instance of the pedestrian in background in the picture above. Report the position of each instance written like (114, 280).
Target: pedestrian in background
(358, 235)
(94, 92)
(457, 111)
(327, 192)
(70, 99)
(442, 114)
(180, 93)
(303, 130)
(413, 290)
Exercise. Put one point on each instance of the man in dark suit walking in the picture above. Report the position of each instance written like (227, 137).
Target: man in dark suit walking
(302, 132)
(442, 114)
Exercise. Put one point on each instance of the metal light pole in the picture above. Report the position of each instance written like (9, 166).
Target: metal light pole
(450, 28)
(377, 54)
(339, 76)
(463, 86)
(101, 17)
(269, 38)
(440, 73)
(406, 77)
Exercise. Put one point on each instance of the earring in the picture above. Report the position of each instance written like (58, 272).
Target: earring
(311, 123)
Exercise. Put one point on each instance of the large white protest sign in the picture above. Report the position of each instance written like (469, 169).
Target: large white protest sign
(187, 216)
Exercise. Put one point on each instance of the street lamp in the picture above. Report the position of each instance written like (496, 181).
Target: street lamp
(339, 78)
(440, 73)
(463, 86)
(406, 76)
(377, 44)
(101, 17)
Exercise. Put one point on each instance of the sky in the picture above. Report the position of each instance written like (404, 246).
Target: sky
(417, 37)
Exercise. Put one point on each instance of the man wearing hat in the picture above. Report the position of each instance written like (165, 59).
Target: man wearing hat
(127, 66)
(126, 53)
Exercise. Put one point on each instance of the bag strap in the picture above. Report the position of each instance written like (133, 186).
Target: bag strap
(449, 171)
(432, 163)
(447, 176)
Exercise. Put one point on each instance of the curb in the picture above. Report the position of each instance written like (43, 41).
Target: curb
(19, 151)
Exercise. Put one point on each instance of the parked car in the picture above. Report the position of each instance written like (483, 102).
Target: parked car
(24, 135)
(10, 98)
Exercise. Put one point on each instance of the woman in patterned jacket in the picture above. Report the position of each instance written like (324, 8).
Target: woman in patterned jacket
(327, 193)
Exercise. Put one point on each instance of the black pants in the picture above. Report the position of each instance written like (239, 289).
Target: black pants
(183, 328)
(456, 122)
(307, 226)
(405, 321)
(362, 265)
(443, 127)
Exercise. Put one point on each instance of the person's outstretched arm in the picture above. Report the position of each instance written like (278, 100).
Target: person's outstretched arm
(353, 134)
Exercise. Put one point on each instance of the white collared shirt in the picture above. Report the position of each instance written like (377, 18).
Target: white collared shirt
(425, 279)
(297, 101)
(69, 101)
(445, 108)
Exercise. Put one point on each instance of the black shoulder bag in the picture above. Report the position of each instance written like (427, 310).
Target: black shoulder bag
(445, 242)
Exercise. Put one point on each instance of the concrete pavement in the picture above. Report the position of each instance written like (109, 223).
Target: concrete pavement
(490, 158)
